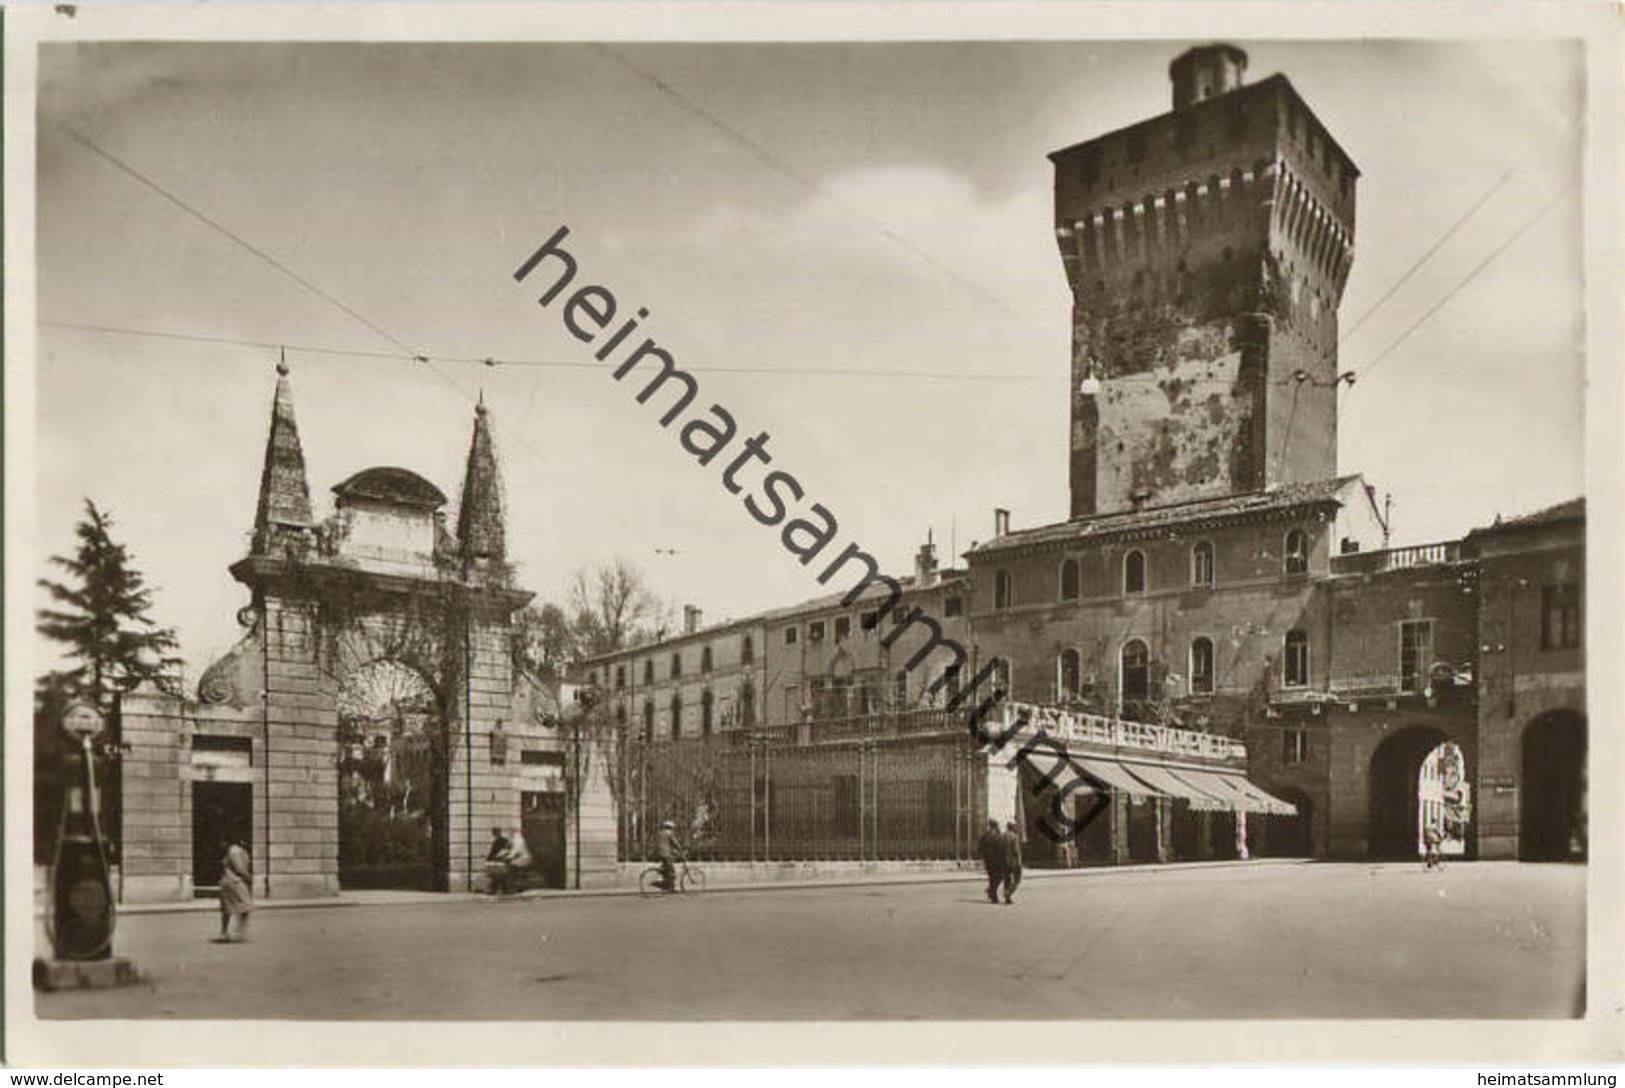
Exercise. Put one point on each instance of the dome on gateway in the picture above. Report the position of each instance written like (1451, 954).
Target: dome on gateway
(394, 486)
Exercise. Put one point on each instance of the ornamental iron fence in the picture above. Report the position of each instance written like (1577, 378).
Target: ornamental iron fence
(759, 796)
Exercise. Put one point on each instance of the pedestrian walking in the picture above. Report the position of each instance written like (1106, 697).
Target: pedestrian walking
(993, 852)
(236, 890)
(1012, 860)
(1430, 839)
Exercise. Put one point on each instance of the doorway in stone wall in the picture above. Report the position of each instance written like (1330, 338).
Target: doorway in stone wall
(1552, 805)
(542, 819)
(392, 780)
(221, 812)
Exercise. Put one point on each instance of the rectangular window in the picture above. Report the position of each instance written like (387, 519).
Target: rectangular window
(1560, 625)
(620, 677)
(1415, 654)
(532, 757)
(953, 606)
(1295, 674)
(843, 628)
(1202, 565)
(1202, 666)
(815, 631)
(789, 636)
(213, 742)
(899, 695)
(869, 620)
(1294, 746)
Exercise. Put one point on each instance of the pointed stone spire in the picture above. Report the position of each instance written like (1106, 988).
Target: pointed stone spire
(284, 494)
(480, 531)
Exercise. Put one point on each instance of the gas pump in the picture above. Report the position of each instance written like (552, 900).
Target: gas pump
(82, 914)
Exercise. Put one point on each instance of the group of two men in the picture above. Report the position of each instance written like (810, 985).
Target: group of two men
(1001, 856)
(506, 861)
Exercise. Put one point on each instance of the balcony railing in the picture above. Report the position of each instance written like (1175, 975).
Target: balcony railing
(1114, 733)
(1418, 555)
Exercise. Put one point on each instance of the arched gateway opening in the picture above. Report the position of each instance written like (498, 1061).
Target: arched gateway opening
(1552, 815)
(1402, 797)
(392, 779)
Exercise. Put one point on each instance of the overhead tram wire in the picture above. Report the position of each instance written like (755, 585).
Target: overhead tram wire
(1434, 248)
(411, 353)
(225, 231)
(1462, 283)
(779, 165)
(498, 362)
(216, 225)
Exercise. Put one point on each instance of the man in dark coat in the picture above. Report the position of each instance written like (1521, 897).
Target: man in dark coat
(1012, 860)
(992, 849)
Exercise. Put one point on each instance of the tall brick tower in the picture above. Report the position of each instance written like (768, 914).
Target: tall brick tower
(1207, 250)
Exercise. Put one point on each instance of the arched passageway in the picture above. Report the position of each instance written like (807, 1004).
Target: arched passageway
(1395, 807)
(1552, 815)
(392, 780)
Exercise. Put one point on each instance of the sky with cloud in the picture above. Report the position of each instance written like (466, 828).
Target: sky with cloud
(878, 209)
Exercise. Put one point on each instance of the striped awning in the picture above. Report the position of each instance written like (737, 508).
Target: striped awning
(1115, 775)
(1167, 782)
(1203, 789)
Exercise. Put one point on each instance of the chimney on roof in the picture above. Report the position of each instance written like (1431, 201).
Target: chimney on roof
(1206, 71)
(1001, 522)
(925, 563)
(691, 619)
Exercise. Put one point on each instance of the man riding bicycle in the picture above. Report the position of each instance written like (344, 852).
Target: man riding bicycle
(667, 851)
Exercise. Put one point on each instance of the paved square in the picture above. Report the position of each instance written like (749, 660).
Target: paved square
(1279, 941)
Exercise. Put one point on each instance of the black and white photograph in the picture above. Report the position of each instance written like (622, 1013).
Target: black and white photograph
(1014, 522)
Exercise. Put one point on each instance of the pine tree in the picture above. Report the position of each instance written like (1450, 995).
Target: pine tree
(104, 620)
(104, 623)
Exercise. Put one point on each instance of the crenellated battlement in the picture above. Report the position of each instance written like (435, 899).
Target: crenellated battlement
(1207, 250)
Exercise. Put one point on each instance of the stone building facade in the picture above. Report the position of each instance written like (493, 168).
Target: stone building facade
(1218, 580)
(379, 602)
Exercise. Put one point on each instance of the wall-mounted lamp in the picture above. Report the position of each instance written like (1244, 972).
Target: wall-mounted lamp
(1090, 386)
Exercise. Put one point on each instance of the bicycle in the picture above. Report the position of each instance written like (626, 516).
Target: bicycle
(688, 880)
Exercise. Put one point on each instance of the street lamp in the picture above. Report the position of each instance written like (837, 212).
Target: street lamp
(81, 915)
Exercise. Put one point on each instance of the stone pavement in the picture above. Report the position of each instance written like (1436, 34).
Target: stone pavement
(1294, 941)
(876, 876)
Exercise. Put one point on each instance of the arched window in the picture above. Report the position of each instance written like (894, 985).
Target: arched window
(649, 673)
(1202, 564)
(705, 660)
(1003, 590)
(1069, 580)
(676, 665)
(706, 703)
(1135, 685)
(1295, 666)
(1295, 555)
(747, 704)
(648, 722)
(676, 715)
(1201, 666)
(1134, 572)
(1068, 675)
(747, 651)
